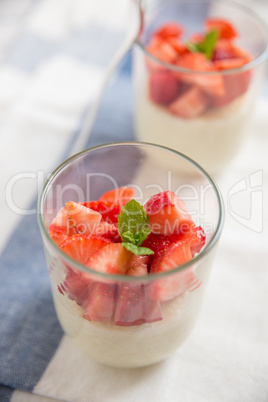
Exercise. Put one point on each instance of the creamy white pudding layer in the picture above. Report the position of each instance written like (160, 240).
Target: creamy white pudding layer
(132, 346)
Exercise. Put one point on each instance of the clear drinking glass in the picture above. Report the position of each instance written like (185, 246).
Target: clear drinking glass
(153, 327)
(211, 122)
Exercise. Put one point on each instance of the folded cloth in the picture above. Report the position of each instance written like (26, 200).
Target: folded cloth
(226, 357)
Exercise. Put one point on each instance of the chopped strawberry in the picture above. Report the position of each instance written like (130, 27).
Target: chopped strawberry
(172, 29)
(223, 50)
(59, 233)
(101, 304)
(210, 83)
(135, 307)
(196, 38)
(108, 210)
(129, 307)
(159, 243)
(162, 50)
(74, 215)
(78, 286)
(111, 259)
(121, 195)
(168, 288)
(195, 237)
(225, 28)
(235, 85)
(151, 308)
(163, 87)
(138, 265)
(227, 64)
(80, 247)
(190, 104)
(177, 44)
(167, 213)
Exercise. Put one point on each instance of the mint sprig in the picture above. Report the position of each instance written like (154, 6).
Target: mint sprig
(206, 46)
(133, 227)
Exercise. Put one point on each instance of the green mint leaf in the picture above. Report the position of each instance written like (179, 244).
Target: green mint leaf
(133, 223)
(192, 47)
(137, 250)
(210, 42)
(206, 46)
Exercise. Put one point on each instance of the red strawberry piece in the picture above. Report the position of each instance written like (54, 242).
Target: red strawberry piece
(195, 237)
(227, 64)
(101, 304)
(162, 50)
(164, 289)
(163, 87)
(177, 44)
(190, 104)
(151, 308)
(196, 38)
(111, 259)
(78, 285)
(80, 247)
(59, 233)
(108, 210)
(129, 307)
(210, 83)
(122, 195)
(159, 244)
(235, 85)
(224, 49)
(172, 29)
(138, 265)
(167, 213)
(78, 216)
(225, 28)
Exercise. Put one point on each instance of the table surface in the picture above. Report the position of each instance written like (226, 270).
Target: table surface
(54, 57)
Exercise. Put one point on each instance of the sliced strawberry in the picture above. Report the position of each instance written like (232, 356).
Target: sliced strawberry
(163, 87)
(101, 304)
(111, 259)
(195, 237)
(108, 210)
(225, 28)
(227, 64)
(75, 215)
(196, 38)
(235, 85)
(172, 29)
(81, 247)
(224, 49)
(59, 233)
(129, 307)
(159, 244)
(121, 195)
(164, 289)
(78, 286)
(151, 308)
(177, 44)
(162, 50)
(138, 265)
(210, 83)
(190, 104)
(167, 213)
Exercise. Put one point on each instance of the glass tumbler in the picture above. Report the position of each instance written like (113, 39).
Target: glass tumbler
(130, 323)
(199, 107)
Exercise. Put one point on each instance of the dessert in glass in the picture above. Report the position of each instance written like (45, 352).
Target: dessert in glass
(198, 68)
(130, 231)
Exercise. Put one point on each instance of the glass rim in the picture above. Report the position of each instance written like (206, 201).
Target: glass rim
(122, 278)
(251, 64)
